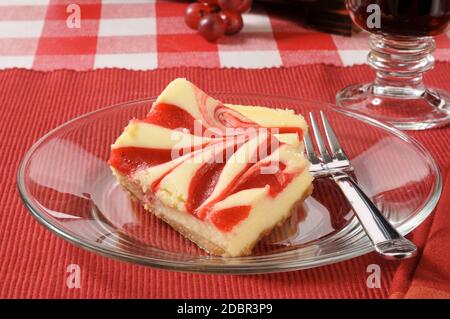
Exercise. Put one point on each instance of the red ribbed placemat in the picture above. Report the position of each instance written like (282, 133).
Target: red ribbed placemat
(33, 261)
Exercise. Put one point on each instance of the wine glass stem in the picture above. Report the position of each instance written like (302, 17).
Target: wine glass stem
(399, 63)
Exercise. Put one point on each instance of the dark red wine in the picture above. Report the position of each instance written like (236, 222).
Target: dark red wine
(415, 18)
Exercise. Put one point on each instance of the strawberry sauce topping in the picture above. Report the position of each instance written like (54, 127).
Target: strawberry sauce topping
(257, 173)
(173, 117)
(203, 184)
(257, 177)
(128, 159)
(226, 219)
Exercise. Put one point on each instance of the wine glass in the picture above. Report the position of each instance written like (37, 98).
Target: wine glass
(401, 47)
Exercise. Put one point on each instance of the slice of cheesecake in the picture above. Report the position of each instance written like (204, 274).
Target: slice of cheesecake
(222, 175)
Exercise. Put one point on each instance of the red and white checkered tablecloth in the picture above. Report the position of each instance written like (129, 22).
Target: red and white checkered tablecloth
(148, 34)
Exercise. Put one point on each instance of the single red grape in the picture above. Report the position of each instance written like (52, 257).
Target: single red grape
(239, 6)
(211, 26)
(194, 12)
(233, 22)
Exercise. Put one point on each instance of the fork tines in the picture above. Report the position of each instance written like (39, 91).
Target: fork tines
(332, 158)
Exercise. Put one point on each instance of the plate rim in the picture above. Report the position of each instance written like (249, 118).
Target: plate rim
(181, 266)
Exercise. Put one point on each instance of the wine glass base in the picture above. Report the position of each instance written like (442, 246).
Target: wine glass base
(406, 110)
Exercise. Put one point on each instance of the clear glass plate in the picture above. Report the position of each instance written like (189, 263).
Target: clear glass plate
(67, 185)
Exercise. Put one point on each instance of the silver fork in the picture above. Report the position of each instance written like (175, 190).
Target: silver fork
(385, 238)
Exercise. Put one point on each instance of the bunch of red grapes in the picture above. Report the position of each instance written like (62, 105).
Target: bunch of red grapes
(215, 18)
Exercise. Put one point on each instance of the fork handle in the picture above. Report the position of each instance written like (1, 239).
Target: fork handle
(386, 239)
